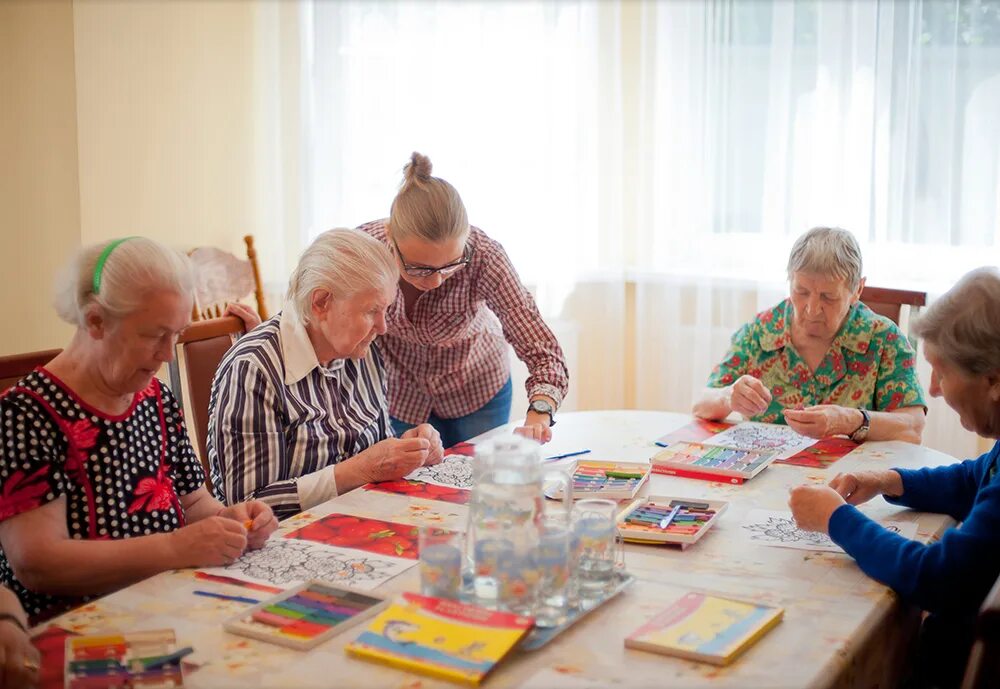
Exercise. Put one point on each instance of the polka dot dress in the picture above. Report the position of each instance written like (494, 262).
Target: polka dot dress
(121, 475)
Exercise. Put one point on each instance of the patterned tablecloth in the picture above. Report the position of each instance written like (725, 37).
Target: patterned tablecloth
(840, 627)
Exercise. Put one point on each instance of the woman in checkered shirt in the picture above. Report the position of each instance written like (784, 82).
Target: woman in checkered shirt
(460, 302)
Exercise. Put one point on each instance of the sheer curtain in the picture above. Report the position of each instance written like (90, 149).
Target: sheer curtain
(766, 118)
(648, 164)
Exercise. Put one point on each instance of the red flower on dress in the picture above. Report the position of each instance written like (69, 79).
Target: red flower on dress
(81, 436)
(153, 494)
(149, 391)
(22, 492)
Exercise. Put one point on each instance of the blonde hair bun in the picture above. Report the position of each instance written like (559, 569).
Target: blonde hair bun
(418, 170)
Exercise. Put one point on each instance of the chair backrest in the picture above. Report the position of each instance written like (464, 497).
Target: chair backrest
(222, 278)
(199, 351)
(983, 669)
(898, 305)
(14, 368)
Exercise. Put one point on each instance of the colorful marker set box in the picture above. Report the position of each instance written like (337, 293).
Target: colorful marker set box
(661, 519)
(712, 462)
(612, 480)
(139, 660)
(307, 615)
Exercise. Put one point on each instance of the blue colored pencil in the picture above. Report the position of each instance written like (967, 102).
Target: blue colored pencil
(222, 596)
(567, 455)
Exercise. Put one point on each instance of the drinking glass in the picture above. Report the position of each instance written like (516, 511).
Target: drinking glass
(441, 554)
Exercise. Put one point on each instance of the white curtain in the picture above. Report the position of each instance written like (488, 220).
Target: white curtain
(648, 164)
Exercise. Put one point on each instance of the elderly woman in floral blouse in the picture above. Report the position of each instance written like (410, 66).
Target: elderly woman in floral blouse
(821, 361)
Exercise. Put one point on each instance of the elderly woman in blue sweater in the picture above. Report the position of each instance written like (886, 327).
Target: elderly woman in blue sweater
(949, 578)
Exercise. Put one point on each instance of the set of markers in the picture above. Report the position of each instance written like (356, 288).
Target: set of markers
(663, 519)
(306, 615)
(135, 660)
(712, 462)
(612, 480)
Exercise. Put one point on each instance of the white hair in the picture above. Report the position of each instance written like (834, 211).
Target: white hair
(133, 269)
(342, 262)
(964, 323)
(828, 251)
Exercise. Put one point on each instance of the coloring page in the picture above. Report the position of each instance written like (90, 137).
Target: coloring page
(454, 471)
(286, 562)
(778, 529)
(751, 435)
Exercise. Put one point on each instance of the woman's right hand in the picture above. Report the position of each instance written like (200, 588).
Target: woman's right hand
(749, 396)
(210, 542)
(19, 660)
(862, 486)
(393, 458)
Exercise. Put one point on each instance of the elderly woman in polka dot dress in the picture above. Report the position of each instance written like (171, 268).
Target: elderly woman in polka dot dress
(99, 486)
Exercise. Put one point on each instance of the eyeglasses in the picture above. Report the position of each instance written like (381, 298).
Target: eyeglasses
(427, 271)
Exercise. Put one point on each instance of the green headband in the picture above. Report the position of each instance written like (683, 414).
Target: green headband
(102, 259)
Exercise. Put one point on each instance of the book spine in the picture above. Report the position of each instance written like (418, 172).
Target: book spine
(692, 473)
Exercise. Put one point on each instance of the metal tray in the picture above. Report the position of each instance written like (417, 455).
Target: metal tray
(540, 636)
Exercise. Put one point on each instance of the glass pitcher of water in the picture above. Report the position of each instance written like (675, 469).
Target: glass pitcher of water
(506, 523)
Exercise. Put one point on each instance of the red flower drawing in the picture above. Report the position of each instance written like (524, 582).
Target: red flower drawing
(371, 535)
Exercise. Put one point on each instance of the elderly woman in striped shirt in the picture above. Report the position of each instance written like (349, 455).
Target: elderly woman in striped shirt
(460, 302)
(299, 412)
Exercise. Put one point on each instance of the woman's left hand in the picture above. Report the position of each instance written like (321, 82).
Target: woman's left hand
(262, 518)
(812, 506)
(250, 318)
(823, 420)
(536, 427)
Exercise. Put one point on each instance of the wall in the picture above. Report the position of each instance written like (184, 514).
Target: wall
(123, 118)
(39, 189)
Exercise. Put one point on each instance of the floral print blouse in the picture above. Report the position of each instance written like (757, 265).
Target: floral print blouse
(870, 364)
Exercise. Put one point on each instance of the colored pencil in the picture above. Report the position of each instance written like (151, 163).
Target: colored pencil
(222, 596)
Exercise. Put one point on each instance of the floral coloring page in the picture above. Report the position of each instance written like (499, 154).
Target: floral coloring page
(751, 435)
(778, 529)
(286, 562)
(454, 471)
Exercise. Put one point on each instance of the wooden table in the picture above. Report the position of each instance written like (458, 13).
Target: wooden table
(840, 627)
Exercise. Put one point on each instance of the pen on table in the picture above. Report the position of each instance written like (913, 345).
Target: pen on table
(665, 522)
(223, 596)
(659, 444)
(568, 454)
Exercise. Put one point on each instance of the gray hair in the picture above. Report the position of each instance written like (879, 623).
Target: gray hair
(828, 251)
(343, 262)
(964, 323)
(133, 269)
(426, 207)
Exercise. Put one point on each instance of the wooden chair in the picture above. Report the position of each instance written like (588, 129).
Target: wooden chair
(199, 350)
(983, 670)
(223, 278)
(14, 368)
(898, 305)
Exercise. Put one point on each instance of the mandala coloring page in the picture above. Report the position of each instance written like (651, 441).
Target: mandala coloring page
(454, 471)
(750, 435)
(287, 562)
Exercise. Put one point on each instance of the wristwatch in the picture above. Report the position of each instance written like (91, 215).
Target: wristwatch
(861, 434)
(543, 407)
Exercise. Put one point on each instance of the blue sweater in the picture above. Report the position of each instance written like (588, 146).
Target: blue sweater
(953, 575)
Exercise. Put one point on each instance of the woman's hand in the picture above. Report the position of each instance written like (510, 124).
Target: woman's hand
(260, 518)
(390, 459)
(536, 427)
(210, 542)
(862, 486)
(435, 453)
(250, 318)
(824, 420)
(19, 660)
(812, 506)
(749, 396)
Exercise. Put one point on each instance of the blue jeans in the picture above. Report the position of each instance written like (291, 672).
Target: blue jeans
(494, 413)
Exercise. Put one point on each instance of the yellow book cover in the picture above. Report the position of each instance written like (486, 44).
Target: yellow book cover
(439, 637)
(704, 627)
